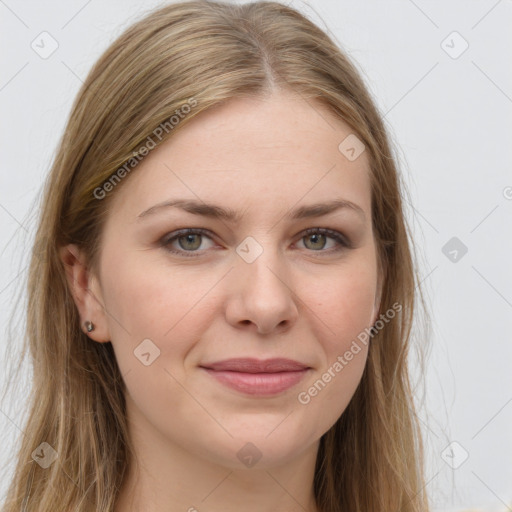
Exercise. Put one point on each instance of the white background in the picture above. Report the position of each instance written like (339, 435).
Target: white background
(451, 121)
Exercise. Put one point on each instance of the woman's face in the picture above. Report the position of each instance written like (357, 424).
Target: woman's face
(255, 286)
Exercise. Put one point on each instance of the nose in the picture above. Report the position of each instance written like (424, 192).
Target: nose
(262, 297)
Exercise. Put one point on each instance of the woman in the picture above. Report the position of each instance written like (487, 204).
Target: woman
(222, 297)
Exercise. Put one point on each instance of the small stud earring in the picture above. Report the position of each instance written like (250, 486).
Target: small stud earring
(89, 325)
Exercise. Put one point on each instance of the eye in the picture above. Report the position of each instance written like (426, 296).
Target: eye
(319, 236)
(189, 241)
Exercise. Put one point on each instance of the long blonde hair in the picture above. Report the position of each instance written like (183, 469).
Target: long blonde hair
(372, 458)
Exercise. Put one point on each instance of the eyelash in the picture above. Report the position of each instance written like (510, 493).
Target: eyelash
(343, 242)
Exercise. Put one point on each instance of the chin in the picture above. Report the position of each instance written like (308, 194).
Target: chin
(260, 450)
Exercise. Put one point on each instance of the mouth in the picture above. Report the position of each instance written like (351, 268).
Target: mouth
(257, 377)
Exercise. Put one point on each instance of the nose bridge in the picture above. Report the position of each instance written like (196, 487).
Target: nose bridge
(263, 292)
(261, 260)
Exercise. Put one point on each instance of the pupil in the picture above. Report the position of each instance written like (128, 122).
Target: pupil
(189, 239)
(316, 237)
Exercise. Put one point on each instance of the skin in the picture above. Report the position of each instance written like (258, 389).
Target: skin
(299, 299)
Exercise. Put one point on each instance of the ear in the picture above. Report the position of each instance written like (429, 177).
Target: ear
(378, 295)
(376, 309)
(86, 292)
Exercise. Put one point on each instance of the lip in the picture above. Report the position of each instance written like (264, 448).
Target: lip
(257, 377)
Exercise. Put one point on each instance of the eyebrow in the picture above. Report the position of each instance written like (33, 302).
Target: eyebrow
(218, 212)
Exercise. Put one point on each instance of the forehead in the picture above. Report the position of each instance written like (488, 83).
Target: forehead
(273, 151)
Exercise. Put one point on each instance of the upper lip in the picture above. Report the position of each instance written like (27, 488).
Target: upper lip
(249, 365)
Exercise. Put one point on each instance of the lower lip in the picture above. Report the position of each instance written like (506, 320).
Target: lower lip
(263, 384)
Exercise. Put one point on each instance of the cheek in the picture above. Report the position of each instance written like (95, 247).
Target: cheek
(344, 308)
(144, 301)
(343, 302)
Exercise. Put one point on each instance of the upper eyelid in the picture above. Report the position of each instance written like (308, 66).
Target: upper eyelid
(328, 232)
